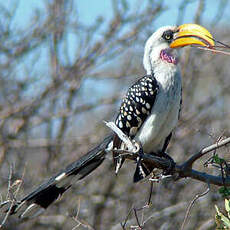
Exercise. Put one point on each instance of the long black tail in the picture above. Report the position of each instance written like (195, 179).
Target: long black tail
(38, 200)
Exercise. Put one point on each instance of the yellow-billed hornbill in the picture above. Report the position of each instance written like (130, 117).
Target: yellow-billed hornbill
(149, 112)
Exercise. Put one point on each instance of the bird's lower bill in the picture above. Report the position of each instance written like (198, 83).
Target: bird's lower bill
(192, 34)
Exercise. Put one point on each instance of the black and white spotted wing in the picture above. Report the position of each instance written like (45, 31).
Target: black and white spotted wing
(135, 108)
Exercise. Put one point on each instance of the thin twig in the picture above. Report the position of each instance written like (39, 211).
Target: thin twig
(76, 216)
(166, 212)
(8, 195)
(212, 50)
(150, 193)
(192, 159)
(191, 205)
(136, 216)
(126, 219)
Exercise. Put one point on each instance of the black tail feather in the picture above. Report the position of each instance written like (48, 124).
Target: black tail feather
(51, 190)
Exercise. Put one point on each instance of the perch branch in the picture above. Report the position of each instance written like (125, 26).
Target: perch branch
(180, 170)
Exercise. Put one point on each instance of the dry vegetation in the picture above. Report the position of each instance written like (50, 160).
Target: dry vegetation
(54, 96)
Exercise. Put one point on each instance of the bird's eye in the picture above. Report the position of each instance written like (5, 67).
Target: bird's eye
(168, 35)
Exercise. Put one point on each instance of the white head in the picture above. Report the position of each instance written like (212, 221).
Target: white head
(160, 49)
(157, 49)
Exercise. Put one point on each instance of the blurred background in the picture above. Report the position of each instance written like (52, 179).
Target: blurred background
(64, 67)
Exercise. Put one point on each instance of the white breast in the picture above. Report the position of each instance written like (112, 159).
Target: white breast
(165, 111)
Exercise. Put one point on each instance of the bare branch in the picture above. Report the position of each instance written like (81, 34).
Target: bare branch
(10, 198)
(208, 149)
(158, 214)
(192, 203)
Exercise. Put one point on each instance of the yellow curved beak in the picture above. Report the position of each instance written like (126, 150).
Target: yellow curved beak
(192, 34)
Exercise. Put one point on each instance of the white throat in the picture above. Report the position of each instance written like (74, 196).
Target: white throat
(153, 63)
(165, 73)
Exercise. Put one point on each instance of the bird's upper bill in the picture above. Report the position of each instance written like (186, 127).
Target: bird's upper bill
(192, 34)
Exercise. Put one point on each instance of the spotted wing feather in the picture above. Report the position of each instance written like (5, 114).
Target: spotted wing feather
(135, 108)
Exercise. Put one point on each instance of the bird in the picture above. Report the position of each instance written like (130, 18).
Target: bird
(148, 114)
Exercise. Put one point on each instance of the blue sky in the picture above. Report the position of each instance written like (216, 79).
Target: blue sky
(90, 9)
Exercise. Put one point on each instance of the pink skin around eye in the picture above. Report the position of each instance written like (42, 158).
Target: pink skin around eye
(168, 57)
